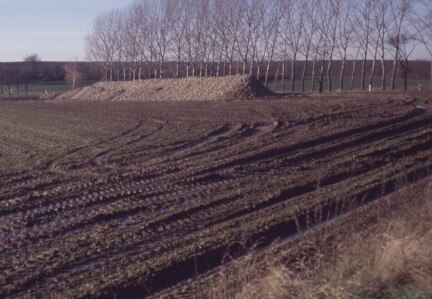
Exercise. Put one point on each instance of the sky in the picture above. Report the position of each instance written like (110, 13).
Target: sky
(54, 29)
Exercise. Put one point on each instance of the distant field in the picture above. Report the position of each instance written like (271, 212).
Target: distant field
(61, 86)
(54, 86)
(42, 87)
(376, 85)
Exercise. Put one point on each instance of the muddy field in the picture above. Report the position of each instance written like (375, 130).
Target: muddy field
(130, 199)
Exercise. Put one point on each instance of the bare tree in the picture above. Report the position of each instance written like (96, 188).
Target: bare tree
(364, 34)
(309, 30)
(252, 17)
(345, 32)
(221, 32)
(100, 43)
(407, 44)
(201, 36)
(357, 48)
(293, 34)
(399, 13)
(28, 70)
(178, 31)
(323, 40)
(224, 37)
(119, 40)
(316, 38)
(270, 35)
(233, 14)
(335, 7)
(422, 22)
(380, 20)
(131, 39)
(73, 74)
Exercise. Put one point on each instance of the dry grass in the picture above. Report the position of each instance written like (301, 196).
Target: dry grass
(392, 259)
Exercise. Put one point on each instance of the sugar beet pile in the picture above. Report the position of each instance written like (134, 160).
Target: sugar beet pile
(185, 89)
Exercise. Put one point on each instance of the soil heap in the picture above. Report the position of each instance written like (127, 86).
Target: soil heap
(185, 89)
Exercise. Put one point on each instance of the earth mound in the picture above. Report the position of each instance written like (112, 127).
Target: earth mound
(185, 89)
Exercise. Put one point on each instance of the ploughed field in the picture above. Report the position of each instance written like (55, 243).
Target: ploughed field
(128, 199)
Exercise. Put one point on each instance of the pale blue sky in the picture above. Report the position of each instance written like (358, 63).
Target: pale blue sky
(54, 29)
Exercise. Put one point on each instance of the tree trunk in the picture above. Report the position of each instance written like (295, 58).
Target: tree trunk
(393, 76)
(224, 68)
(161, 70)
(352, 74)
(321, 78)
(267, 73)
(372, 71)
(258, 71)
(430, 76)
(313, 76)
(383, 74)
(178, 66)
(405, 73)
(342, 73)
(275, 78)
(140, 71)
(283, 76)
(363, 74)
(329, 82)
(293, 65)
(304, 74)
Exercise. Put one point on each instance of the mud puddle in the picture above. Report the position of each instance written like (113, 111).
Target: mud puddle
(213, 138)
(420, 108)
(98, 160)
(261, 128)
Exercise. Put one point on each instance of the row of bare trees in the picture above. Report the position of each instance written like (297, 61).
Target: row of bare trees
(17, 75)
(176, 38)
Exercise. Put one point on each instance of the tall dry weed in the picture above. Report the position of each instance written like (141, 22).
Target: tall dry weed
(393, 259)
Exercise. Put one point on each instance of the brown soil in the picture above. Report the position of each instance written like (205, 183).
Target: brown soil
(185, 89)
(194, 183)
(309, 254)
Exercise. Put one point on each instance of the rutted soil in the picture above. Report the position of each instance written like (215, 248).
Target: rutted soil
(168, 203)
(309, 248)
(184, 89)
